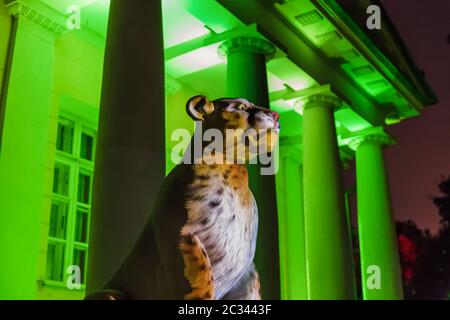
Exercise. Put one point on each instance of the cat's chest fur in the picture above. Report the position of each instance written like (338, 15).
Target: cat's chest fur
(222, 213)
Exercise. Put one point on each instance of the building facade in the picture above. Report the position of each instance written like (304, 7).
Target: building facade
(92, 90)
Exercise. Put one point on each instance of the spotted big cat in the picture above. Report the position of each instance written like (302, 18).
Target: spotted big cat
(201, 238)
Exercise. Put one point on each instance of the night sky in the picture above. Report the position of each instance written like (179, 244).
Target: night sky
(422, 154)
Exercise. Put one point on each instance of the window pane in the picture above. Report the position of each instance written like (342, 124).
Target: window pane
(55, 261)
(61, 176)
(64, 141)
(87, 146)
(79, 259)
(81, 225)
(84, 188)
(58, 218)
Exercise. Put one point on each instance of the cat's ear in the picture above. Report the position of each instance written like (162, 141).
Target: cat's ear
(198, 107)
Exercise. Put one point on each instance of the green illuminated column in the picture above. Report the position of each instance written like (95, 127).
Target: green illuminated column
(380, 264)
(328, 253)
(27, 149)
(247, 78)
(130, 162)
(291, 224)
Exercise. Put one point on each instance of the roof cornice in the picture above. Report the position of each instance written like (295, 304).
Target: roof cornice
(365, 45)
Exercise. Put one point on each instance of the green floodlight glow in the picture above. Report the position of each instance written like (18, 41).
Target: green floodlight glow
(351, 120)
(62, 5)
(179, 24)
(291, 228)
(291, 74)
(213, 14)
(94, 13)
(275, 83)
(193, 61)
(281, 107)
(95, 16)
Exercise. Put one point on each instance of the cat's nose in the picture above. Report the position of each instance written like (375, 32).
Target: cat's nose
(275, 116)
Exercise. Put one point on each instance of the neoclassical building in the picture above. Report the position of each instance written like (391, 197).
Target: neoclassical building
(87, 110)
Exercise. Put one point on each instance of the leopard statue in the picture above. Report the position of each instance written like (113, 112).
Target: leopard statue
(201, 238)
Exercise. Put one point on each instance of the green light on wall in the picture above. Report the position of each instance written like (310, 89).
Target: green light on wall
(179, 24)
(193, 61)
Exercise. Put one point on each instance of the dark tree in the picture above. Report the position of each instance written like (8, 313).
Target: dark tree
(412, 244)
(443, 203)
(443, 239)
(425, 258)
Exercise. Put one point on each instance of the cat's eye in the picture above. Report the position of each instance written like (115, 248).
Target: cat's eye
(241, 107)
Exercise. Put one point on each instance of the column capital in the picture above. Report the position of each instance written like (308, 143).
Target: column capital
(327, 100)
(373, 135)
(39, 14)
(252, 44)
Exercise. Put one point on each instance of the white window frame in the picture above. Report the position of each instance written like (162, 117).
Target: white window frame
(77, 165)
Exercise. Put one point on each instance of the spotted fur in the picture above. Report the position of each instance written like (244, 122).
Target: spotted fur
(200, 241)
(222, 213)
(198, 269)
(221, 209)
